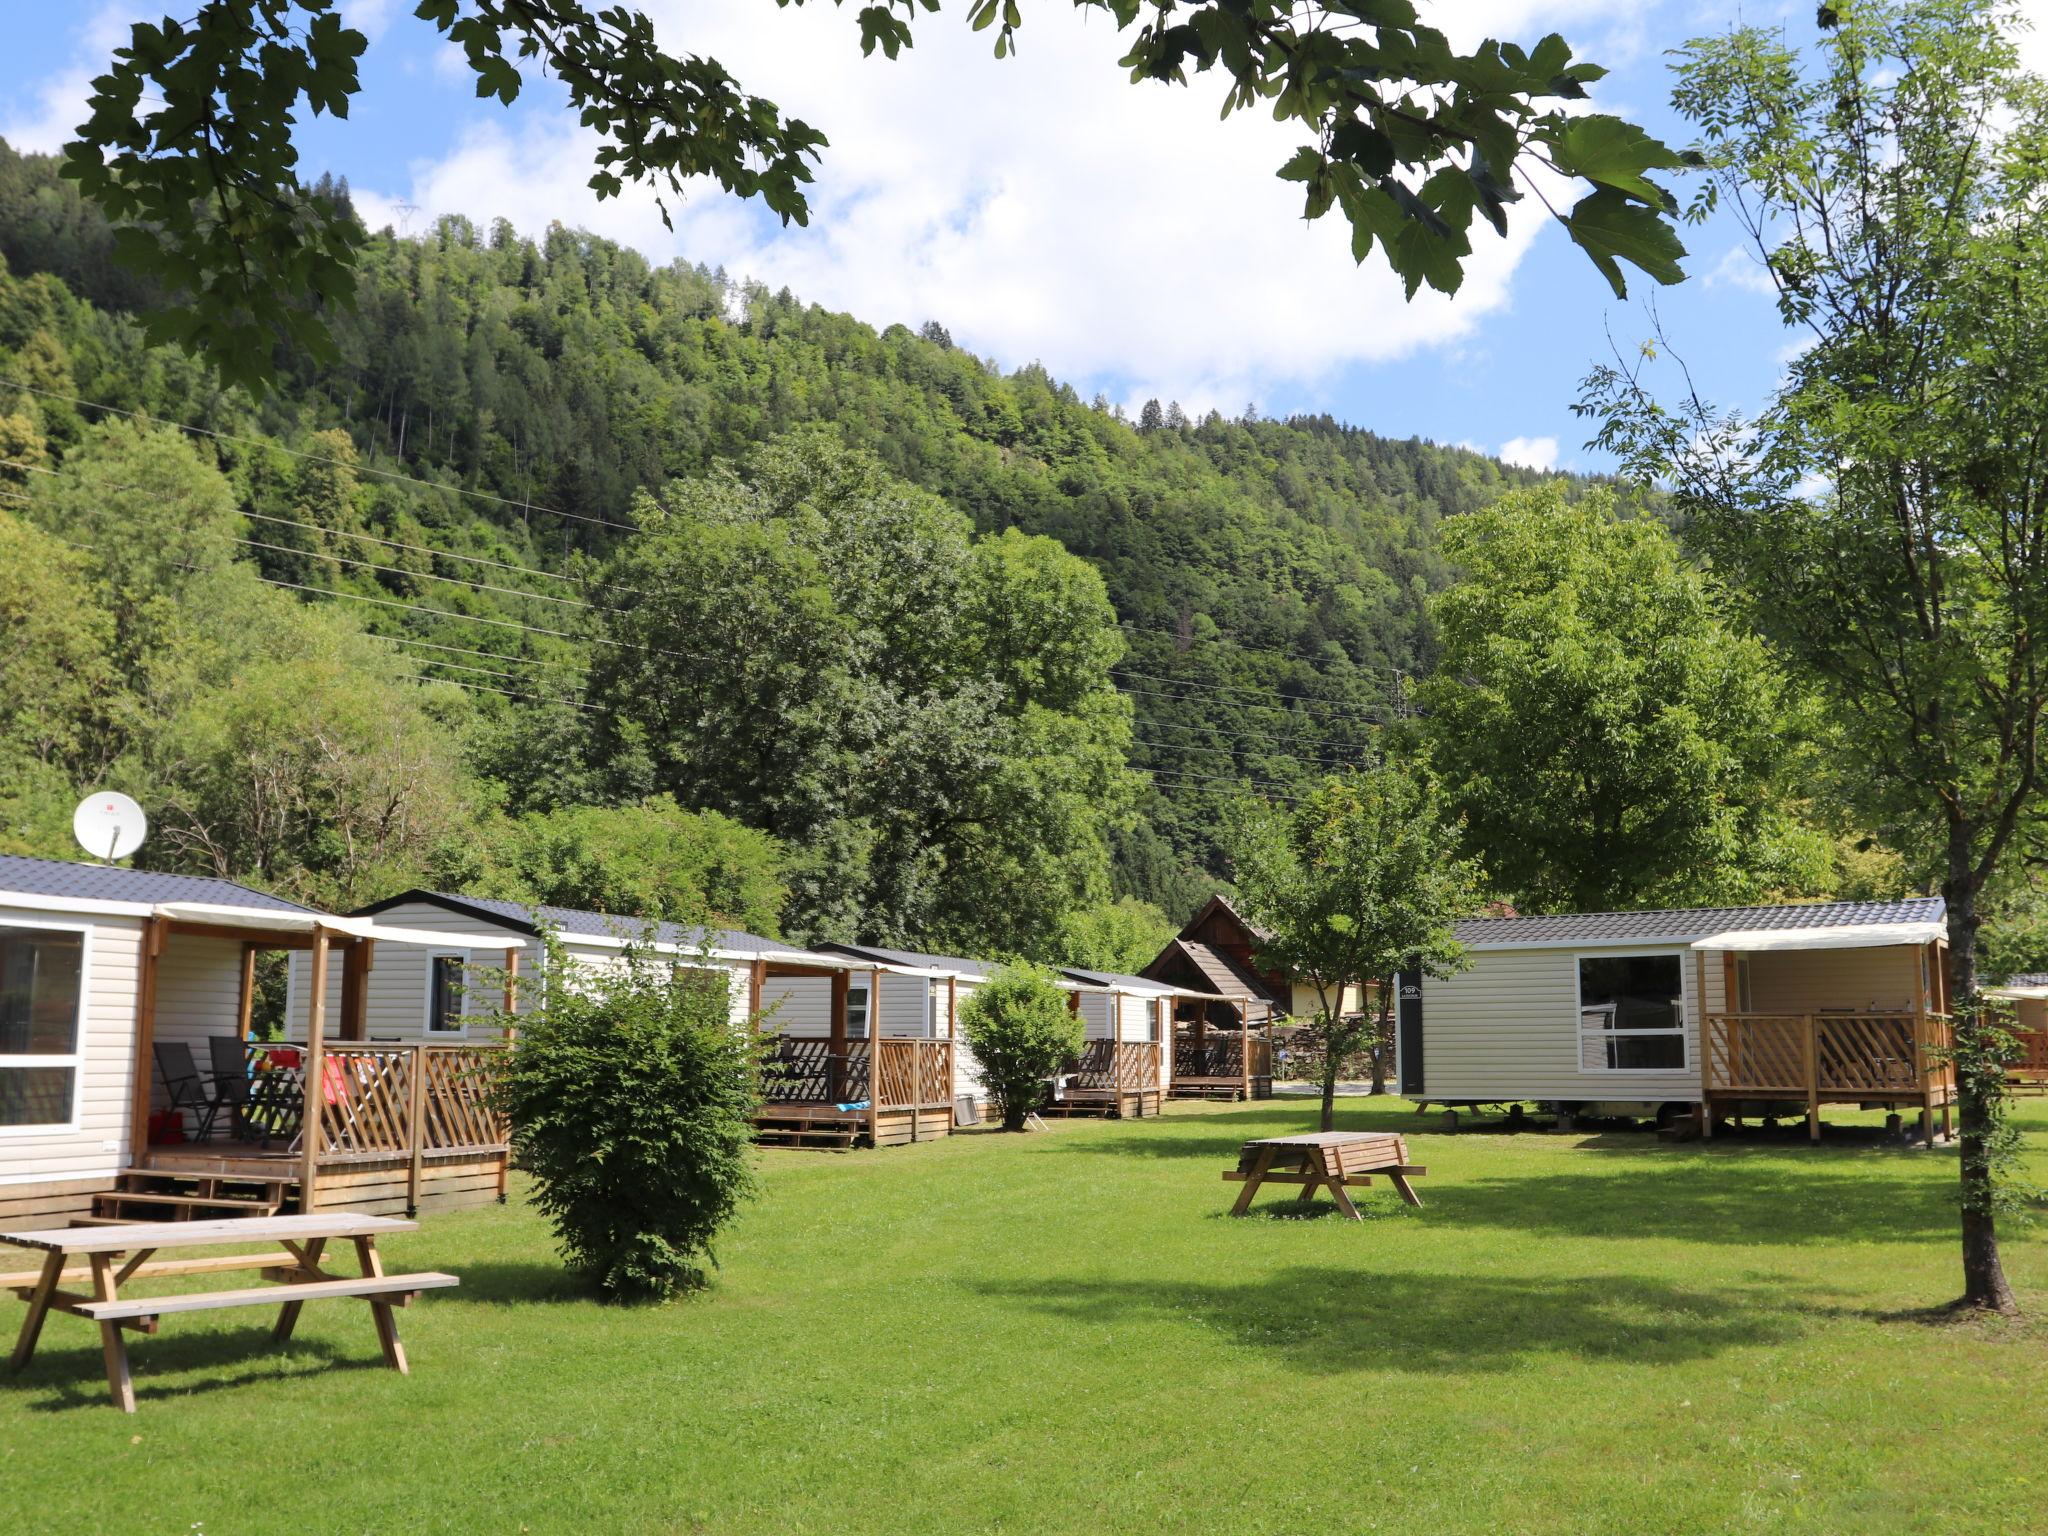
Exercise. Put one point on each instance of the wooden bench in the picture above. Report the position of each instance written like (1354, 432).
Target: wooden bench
(295, 1261)
(1332, 1160)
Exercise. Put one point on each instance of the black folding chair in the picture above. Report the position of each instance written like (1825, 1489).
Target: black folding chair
(185, 1086)
(232, 1085)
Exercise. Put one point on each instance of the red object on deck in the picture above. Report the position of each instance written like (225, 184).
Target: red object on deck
(166, 1127)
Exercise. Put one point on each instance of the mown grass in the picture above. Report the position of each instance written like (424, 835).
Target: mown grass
(1065, 1333)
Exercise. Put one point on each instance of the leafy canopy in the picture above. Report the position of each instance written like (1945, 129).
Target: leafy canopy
(190, 142)
(1882, 515)
(1360, 879)
(1021, 1029)
(631, 1096)
(1609, 738)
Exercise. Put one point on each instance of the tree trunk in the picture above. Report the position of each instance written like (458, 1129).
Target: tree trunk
(1382, 1038)
(1013, 1116)
(1977, 1091)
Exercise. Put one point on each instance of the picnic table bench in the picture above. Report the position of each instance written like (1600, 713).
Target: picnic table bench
(114, 1255)
(1332, 1160)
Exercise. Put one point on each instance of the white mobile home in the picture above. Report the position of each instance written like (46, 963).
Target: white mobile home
(1829, 1002)
(490, 961)
(125, 1007)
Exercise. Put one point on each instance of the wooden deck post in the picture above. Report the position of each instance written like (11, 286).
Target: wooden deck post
(145, 1039)
(416, 1127)
(757, 982)
(511, 984)
(245, 1002)
(315, 1098)
(952, 1046)
(1706, 1046)
(875, 1058)
(1244, 1045)
(355, 992)
(1812, 1077)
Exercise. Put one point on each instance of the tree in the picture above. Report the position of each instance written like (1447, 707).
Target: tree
(1881, 516)
(650, 860)
(1355, 882)
(1021, 1029)
(1608, 737)
(1408, 137)
(1121, 936)
(631, 1098)
(827, 654)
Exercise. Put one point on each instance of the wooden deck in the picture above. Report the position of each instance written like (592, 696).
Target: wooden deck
(1872, 1060)
(1118, 1079)
(1222, 1066)
(837, 1094)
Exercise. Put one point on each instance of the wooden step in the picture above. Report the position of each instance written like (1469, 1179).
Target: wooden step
(186, 1175)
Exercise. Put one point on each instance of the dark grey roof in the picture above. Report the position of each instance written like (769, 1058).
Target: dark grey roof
(110, 882)
(528, 918)
(1691, 922)
(1112, 978)
(2027, 979)
(910, 957)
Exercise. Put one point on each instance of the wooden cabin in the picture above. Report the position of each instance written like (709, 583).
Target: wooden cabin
(1720, 1012)
(866, 1045)
(100, 966)
(1225, 1007)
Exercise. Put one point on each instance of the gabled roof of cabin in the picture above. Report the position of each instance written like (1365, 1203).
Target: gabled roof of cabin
(72, 881)
(1217, 906)
(1114, 979)
(1684, 924)
(1219, 973)
(965, 965)
(573, 922)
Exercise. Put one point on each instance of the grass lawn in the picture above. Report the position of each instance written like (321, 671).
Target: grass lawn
(1064, 1333)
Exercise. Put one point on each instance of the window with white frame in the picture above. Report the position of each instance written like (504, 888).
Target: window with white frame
(42, 1000)
(1632, 1013)
(857, 1012)
(444, 993)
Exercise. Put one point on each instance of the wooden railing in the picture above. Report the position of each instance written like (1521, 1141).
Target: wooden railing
(1125, 1066)
(1218, 1055)
(902, 1072)
(1792, 1055)
(405, 1099)
(2030, 1071)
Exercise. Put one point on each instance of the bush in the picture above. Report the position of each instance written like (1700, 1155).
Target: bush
(1021, 1030)
(631, 1097)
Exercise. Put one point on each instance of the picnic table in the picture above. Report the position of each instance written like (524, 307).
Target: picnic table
(1332, 1160)
(115, 1254)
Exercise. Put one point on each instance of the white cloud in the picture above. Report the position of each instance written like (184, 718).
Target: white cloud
(1530, 452)
(1041, 207)
(1739, 268)
(43, 120)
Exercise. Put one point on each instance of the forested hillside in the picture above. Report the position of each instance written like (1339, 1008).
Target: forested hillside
(509, 414)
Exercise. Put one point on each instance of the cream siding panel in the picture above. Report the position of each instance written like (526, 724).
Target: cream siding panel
(198, 994)
(906, 1006)
(1135, 1014)
(967, 1081)
(1094, 1012)
(1811, 981)
(396, 1005)
(802, 1005)
(98, 1147)
(1507, 1028)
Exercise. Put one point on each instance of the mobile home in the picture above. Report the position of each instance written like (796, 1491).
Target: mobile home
(1714, 1011)
(126, 1000)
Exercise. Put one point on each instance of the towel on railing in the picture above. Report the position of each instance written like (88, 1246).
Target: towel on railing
(850, 1108)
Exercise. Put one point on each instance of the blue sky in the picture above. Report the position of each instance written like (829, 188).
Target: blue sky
(1045, 209)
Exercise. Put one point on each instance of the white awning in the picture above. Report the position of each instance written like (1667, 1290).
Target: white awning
(2017, 994)
(262, 920)
(1846, 936)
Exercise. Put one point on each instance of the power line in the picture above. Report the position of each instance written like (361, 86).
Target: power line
(1225, 638)
(1288, 757)
(1256, 694)
(464, 650)
(1244, 735)
(399, 570)
(318, 458)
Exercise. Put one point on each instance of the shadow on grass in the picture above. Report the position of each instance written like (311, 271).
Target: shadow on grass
(75, 1377)
(519, 1281)
(1328, 1320)
(1709, 1200)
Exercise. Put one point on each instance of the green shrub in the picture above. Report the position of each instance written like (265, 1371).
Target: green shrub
(631, 1097)
(1021, 1029)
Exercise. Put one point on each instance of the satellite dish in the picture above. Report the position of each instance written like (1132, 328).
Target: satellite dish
(109, 825)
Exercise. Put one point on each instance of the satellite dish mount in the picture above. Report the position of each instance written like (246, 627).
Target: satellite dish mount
(109, 825)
